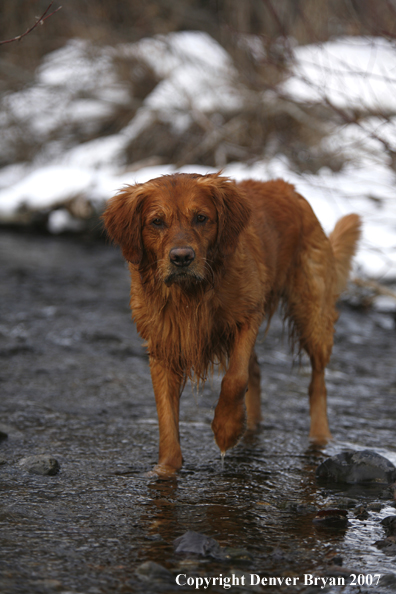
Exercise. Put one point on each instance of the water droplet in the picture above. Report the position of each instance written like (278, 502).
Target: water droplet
(222, 460)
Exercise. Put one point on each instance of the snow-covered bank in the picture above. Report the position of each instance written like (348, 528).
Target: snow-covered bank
(370, 193)
(196, 76)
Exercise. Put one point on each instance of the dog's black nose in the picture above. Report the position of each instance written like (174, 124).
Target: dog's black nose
(181, 256)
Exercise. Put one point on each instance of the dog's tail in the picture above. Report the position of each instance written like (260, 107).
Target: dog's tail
(343, 240)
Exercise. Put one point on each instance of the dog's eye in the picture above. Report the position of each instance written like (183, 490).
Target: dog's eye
(201, 218)
(157, 222)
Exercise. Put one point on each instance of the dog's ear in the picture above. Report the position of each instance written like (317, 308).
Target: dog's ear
(122, 220)
(233, 211)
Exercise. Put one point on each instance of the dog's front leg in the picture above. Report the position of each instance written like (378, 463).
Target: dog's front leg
(167, 389)
(229, 420)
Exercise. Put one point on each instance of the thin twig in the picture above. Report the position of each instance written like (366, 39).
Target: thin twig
(374, 286)
(40, 21)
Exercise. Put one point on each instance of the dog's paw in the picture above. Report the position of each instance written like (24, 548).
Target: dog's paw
(319, 433)
(320, 440)
(229, 425)
(162, 471)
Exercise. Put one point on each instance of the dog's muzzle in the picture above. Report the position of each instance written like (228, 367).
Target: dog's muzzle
(181, 256)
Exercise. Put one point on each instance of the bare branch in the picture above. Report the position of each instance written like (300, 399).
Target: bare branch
(375, 286)
(40, 21)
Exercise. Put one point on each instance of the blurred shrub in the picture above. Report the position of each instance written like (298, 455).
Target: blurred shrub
(106, 21)
(258, 34)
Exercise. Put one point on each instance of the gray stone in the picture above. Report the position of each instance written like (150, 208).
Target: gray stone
(3, 432)
(357, 467)
(237, 554)
(196, 543)
(300, 507)
(44, 465)
(389, 523)
(333, 519)
(343, 503)
(153, 572)
(388, 580)
(387, 546)
(375, 506)
(336, 560)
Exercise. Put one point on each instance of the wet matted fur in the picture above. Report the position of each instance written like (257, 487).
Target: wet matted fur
(209, 260)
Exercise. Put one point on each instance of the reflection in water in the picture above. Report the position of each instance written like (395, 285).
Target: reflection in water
(259, 507)
(237, 506)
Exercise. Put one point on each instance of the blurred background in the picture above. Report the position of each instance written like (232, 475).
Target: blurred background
(102, 93)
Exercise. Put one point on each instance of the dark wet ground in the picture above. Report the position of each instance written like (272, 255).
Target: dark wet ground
(75, 385)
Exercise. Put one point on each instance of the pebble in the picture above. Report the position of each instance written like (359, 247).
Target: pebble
(198, 544)
(232, 554)
(375, 506)
(300, 507)
(334, 519)
(387, 546)
(361, 512)
(354, 467)
(153, 572)
(389, 579)
(154, 537)
(44, 465)
(389, 524)
(343, 503)
(336, 560)
(388, 493)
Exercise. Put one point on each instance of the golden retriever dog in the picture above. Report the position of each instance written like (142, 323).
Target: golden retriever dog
(209, 260)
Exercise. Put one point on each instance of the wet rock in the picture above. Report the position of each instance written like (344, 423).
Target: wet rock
(333, 571)
(357, 467)
(300, 507)
(3, 432)
(16, 349)
(389, 523)
(361, 512)
(375, 506)
(44, 465)
(343, 503)
(198, 544)
(279, 556)
(387, 546)
(388, 580)
(392, 489)
(336, 560)
(389, 493)
(155, 537)
(153, 572)
(232, 554)
(334, 519)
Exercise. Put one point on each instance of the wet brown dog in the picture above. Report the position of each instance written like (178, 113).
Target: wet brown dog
(209, 259)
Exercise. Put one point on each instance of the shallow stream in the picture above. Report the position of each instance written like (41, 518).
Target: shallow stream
(75, 385)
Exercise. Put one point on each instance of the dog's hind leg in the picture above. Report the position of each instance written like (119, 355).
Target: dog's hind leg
(311, 308)
(318, 344)
(319, 432)
(252, 397)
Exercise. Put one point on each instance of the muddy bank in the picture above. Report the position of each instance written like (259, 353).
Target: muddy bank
(75, 387)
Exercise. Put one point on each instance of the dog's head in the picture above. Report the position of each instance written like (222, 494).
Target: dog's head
(180, 224)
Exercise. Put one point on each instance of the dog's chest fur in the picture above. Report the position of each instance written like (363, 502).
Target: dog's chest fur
(188, 335)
